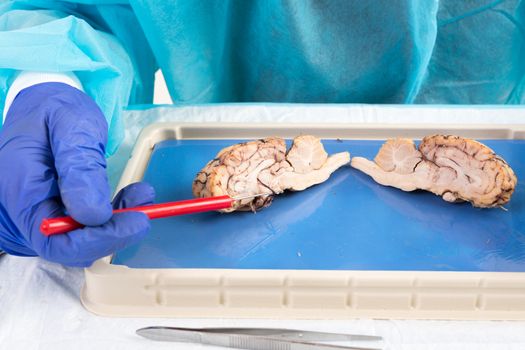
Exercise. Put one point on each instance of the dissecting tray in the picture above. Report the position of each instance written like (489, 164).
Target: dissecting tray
(345, 248)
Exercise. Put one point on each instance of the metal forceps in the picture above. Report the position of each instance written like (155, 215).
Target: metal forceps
(256, 338)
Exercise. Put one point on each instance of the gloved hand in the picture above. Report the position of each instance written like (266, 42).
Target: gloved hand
(52, 164)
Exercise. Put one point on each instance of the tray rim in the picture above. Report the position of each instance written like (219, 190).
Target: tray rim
(416, 294)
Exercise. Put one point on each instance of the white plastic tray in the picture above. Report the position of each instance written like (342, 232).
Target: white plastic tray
(115, 290)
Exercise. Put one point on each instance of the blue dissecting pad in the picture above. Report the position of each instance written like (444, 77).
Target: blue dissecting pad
(347, 223)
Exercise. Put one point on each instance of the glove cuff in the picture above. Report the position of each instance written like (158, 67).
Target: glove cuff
(26, 79)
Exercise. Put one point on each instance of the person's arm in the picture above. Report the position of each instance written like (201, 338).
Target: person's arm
(52, 150)
(65, 40)
(62, 89)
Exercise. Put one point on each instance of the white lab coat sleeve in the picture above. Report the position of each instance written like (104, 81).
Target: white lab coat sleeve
(28, 78)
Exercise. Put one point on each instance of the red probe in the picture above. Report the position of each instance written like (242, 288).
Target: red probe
(65, 224)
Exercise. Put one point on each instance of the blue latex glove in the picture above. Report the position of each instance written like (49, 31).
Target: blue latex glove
(52, 164)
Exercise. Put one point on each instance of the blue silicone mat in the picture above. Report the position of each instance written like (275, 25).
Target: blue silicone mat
(347, 223)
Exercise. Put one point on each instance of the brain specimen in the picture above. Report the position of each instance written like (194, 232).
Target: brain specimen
(455, 168)
(266, 167)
